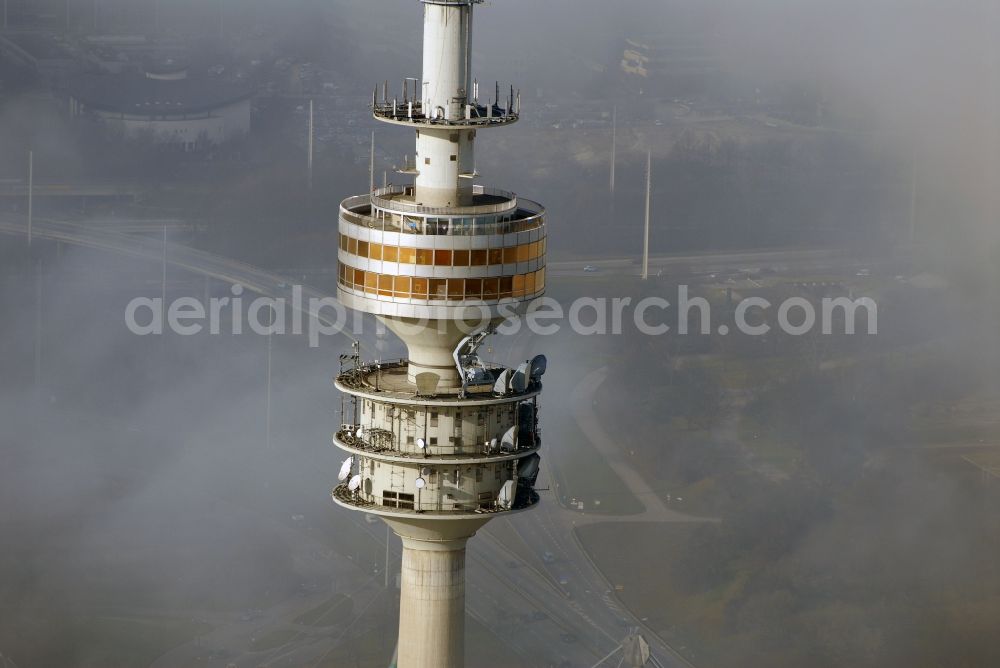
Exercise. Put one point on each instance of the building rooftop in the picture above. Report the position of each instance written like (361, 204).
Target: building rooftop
(39, 46)
(142, 95)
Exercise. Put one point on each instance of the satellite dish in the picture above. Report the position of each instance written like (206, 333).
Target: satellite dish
(509, 441)
(506, 496)
(420, 483)
(427, 383)
(345, 469)
(360, 432)
(537, 367)
(500, 387)
(421, 443)
(355, 483)
(527, 469)
(493, 445)
(519, 382)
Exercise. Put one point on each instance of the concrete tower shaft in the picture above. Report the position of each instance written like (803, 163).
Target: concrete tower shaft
(447, 57)
(446, 163)
(444, 156)
(432, 604)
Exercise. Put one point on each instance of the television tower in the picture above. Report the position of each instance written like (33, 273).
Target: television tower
(441, 442)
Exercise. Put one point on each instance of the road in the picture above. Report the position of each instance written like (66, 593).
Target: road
(706, 264)
(562, 612)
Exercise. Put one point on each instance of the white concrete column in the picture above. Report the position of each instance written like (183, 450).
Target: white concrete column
(447, 31)
(432, 589)
(432, 604)
(430, 345)
(443, 154)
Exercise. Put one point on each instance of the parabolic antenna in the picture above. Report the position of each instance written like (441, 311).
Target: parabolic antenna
(420, 483)
(345, 469)
(427, 383)
(421, 443)
(527, 468)
(537, 367)
(526, 415)
(500, 387)
(360, 433)
(509, 441)
(355, 483)
(519, 382)
(506, 496)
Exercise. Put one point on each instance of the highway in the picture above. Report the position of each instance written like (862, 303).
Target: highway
(554, 612)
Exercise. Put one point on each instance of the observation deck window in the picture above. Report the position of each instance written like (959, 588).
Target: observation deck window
(405, 287)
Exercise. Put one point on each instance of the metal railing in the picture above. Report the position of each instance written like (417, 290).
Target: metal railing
(357, 379)
(347, 434)
(528, 216)
(383, 198)
(405, 113)
(359, 499)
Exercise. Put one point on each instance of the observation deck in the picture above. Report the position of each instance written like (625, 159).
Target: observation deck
(401, 199)
(457, 114)
(347, 440)
(388, 382)
(400, 258)
(433, 508)
(394, 209)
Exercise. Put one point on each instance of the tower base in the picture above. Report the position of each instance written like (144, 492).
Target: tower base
(432, 592)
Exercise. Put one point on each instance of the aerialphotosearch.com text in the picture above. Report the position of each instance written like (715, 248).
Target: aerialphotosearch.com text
(587, 316)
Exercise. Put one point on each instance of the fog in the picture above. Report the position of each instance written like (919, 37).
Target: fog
(776, 500)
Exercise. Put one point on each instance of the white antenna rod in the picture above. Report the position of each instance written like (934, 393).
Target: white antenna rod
(913, 200)
(312, 135)
(31, 192)
(649, 189)
(614, 145)
(38, 324)
(371, 167)
(267, 426)
(163, 277)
